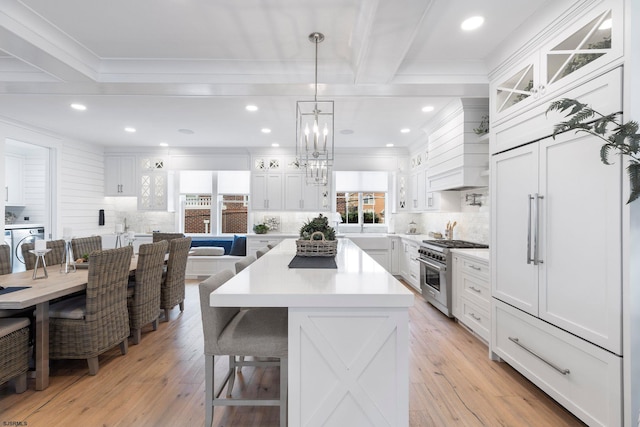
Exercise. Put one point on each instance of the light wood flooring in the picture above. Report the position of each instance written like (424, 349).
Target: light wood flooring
(160, 382)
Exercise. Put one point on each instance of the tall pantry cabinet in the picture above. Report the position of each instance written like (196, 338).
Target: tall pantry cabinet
(556, 243)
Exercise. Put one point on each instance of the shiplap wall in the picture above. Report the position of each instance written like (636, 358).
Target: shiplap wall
(35, 186)
(81, 189)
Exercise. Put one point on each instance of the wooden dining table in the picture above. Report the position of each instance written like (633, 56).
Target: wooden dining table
(38, 293)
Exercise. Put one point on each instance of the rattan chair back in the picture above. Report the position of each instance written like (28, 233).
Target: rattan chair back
(106, 319)
(5, 259)
(144, 304)
(82, 246)
(56, 256)
(173, 287)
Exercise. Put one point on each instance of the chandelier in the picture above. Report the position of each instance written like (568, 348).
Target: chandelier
(314, 131)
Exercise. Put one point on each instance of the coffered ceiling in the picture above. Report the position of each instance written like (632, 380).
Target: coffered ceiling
(167, 66)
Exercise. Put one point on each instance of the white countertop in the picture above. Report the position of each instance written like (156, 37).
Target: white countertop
(23, 225)
(481, 254)
(358, 281)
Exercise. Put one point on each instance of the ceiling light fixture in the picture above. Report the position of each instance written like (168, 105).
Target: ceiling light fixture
(427, 108)
(472, 23)
(275, 144)
(129, 129)
(265, 130)
(405, 130)
(251, 108)
(389, 145)
(164, 144)
(314, 131)
(79, 107)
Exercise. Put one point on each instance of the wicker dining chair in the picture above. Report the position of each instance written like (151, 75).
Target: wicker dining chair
(86, 326)
(260, 252)
(56, 256)
(5, 259)
(229, 331)
(157, 236)
(14, 352)
(143, 299)
(244, 263)
(173, 286)
(81, 246)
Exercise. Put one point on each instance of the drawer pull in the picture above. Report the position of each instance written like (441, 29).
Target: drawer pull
(517, 342)
(477, 318)
(474, 289)
(475, 268)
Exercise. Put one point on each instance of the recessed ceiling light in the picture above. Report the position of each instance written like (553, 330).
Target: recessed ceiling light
(389, 145)
(405, 130)
(472, 23)
(129, 129)
(186, 131)
(251, 108)
(164, 144)
(606, 24)
(427, 108)
(265, 130)
(78, 107)
(275, 144)
(346, 131)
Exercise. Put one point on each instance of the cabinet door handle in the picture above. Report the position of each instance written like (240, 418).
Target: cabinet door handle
(474, 289)
(536, 236)
(475, 317)
(533, 353)
(474, 267)
(529, 259)
(6, 194)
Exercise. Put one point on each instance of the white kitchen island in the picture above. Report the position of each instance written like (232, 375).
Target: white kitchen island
(348, 335)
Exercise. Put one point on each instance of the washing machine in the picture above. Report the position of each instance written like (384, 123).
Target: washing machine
(21, 235)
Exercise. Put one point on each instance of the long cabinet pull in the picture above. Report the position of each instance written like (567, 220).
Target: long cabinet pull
(553, 365)
(529, 259)
(536, 252)
(475, 268)
(474, 289)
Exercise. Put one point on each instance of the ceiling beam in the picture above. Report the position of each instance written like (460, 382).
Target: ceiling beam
(385, 42)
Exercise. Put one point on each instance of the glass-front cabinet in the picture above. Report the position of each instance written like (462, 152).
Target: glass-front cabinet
(573, 55)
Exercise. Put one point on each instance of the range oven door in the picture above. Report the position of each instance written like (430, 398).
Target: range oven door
(433, 282)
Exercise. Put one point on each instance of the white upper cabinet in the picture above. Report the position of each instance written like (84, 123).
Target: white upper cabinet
(574, 54)
(266, 191)
(152, 185)
(14, 180)
(300, 196)
(120, 176)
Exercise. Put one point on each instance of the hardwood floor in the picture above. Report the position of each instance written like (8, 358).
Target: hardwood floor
(160, 382)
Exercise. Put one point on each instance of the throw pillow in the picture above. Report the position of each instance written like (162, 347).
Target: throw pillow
(239, 246)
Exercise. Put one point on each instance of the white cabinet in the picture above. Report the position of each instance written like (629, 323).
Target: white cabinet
(120, 176)
(376, 247)
(400, 199)
(409, 264)
(255, 242)
(417, 191)
(300, 196)
(582, 377)
(570, 57)
(266, 191)
(14, 180)
(472, 292)
(152, 191)
(556, 243)
(394, 254)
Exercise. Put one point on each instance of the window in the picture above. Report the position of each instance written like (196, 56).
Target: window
(361, 208)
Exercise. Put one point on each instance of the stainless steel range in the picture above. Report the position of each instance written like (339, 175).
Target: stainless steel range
(436, 269)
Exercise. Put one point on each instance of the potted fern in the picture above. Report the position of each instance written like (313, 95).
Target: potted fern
(622, 138)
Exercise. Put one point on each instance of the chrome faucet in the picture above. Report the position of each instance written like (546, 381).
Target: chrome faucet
(362, 228)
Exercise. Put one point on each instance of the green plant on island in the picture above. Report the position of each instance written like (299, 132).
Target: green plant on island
(620, 138)
(319, 223)
(260, 228)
